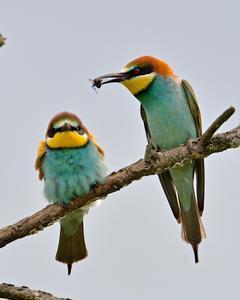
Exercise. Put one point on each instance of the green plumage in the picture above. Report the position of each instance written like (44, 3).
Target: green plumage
(70, 173)
(171, 117)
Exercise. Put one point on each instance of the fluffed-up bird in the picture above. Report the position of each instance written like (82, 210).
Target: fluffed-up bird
(70, 162)
(171, 117)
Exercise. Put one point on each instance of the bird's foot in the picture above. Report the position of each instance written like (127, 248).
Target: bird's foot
(150, 154)
(191, 145)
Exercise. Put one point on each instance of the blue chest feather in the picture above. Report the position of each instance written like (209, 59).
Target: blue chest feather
(169, 117)
(171, 123)
(72, 172)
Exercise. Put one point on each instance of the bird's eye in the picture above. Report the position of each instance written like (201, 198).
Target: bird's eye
(136, 71)
(80, 130)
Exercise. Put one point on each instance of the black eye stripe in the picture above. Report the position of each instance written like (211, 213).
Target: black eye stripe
(53, 130)
(138, 71)
(147, 70)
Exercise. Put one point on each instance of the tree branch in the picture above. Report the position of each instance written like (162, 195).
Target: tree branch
(158, 163)
(9, 291)
(217, 124)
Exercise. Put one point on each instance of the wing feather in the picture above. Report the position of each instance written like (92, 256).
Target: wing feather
(165, 177)
(39, 160)
(100, 149)
(199, 169)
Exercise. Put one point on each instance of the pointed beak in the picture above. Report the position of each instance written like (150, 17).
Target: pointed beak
(66, 127)
(109, 78)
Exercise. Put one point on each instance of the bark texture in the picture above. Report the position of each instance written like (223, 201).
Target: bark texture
(153, 163)
(9, 291)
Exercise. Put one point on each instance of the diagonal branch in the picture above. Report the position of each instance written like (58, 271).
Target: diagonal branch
(217, 124)
(158, 163)
(9, 291)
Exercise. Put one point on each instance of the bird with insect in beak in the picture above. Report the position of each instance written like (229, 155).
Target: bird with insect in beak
(171, 117)
(71, 163)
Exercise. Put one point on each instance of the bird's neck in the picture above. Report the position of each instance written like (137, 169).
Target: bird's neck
(160, 89)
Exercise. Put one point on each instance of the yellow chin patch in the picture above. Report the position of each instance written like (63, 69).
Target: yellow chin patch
(139, 83)
(67, 139)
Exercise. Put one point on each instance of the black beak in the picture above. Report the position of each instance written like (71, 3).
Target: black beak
(66, 127)
(108, 78)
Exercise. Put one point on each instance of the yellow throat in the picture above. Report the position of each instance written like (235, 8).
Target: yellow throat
(67, 139)
(139, 83)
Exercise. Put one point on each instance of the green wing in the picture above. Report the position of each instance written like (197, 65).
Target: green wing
(165, 177)
(193, 104)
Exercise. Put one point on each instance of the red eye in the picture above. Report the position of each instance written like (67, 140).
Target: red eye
(136, 71)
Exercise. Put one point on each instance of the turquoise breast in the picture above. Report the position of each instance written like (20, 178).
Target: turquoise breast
(169, 117)
(171, 124)
(72, 172)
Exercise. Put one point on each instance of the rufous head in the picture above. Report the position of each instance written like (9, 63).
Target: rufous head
(138, 74)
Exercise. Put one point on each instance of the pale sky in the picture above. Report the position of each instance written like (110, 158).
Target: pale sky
(134, 243)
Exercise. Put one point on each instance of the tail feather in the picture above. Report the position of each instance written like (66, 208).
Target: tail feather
(69, 266)
(71, 248)
(192, 228)
(195, 250)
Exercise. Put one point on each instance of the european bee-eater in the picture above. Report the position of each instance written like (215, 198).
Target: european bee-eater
(70, 162)
(171, 117)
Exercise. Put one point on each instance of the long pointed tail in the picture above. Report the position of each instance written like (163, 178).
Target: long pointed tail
(71, 248)
(192, 228)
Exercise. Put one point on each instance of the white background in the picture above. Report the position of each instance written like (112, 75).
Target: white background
(135, 248)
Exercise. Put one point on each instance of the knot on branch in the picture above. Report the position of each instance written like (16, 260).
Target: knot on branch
(196, 148)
